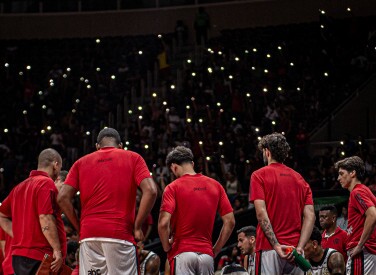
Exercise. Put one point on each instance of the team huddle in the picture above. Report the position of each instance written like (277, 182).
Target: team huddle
(110, 227)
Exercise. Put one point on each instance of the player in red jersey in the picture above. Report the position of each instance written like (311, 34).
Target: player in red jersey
(282, 198)
(361, 233)
(109, 228)
(36, 225)
(187, 216)
(332, 236)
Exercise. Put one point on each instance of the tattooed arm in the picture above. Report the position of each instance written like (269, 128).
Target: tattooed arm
(49, 229)
(336, 264)
(266, 226)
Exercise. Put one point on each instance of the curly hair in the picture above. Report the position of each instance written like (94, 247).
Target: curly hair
(350, 164)
(179, 155)
(277, 145)
(316, 235)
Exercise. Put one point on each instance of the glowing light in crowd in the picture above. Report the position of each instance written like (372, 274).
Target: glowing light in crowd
(172, 86)
(291, 64)
(28, 67)
(273, 122)
(189, 61)
(40, 93)
(210, 70)
(140, 52)
(237, 59)
(82, 79)
(154, 94)
(208, 158)
(326, 74)
(77, 100)
(113, 76)
(279, 88)
(348, 9)
(159, 36)
(87, 133)
(322, 26)
(6, 65)
(74, 111)
(164, 103)
(268, 56)
(64, 75)
(193, 74)
(88, 86)
(49, 128)
(248, 95)
(139, 108)
(68, 69)
(24, 112)
(219, 104)
(6, 130)
(130, 112)
(254, 50)
(257, 130)
(266, 71)
(189, 120)
(220, 143)
(279, 48)
(44, 107)
(298, 88)
(234, 119)
(253, 68)
(265, 90)
(98, 69)
(42, 132)
(146, 146)
(222, 68)
(201, 120)
(230, 77)
(188, 107)
(200, 142)
(98, 41)
(20, 73)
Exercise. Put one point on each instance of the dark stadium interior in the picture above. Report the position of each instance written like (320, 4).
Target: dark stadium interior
(160, 90)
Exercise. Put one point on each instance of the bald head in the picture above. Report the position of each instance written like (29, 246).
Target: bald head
(48, 157)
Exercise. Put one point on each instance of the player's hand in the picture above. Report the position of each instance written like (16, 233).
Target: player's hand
(355, 251)
(58, 261)
(284, 251)
(138, 235)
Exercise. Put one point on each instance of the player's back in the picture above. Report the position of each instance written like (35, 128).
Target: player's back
(285, 193)
(197, 200)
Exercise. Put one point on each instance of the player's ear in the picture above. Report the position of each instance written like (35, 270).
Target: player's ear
(97, 146)
(120, 145)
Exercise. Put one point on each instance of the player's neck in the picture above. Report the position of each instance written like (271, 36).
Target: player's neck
(353, 184)
(330, 231)
(187, 169)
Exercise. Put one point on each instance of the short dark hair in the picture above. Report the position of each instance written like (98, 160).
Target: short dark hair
(316, 235)
(277, 145)
(248, 231)
(330, 208)
(63, 175)
(353, 163)
(47, 157)
(109, 133)
(179, 155)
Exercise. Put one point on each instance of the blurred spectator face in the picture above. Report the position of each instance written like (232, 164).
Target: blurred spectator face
(344, 211)
(327, 219)
(234, 251)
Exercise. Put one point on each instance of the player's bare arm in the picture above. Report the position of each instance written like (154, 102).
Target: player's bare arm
(149, 194)
(309, 218)
(227, 227)
(64, 199)
(164, 229)
(369, 226)
(152, 266)
(337, 264)
(49, 229)
(6, 224)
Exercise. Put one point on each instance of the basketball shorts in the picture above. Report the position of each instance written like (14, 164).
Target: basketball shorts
(362, 264)
(107, 257)
(192, 263)
(268, 262)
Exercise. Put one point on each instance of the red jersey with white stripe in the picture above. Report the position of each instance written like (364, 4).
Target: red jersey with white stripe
(361, 198)
(193, 201)
(285, 193)
(107, 180)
